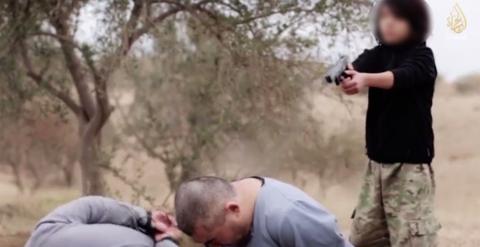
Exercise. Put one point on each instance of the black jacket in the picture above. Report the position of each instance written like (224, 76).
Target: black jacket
(399, 120)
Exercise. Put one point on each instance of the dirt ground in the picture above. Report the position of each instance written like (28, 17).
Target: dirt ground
(457, 166)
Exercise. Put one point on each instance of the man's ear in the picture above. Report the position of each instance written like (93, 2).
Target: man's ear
(232, 207)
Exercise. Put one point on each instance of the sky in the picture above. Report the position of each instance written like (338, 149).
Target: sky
(457, 54)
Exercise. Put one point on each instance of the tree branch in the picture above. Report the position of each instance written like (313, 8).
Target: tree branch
(173, 10)
(56, 36)
(131, 25)
(74, 65)
(147, 26)
(37, 78)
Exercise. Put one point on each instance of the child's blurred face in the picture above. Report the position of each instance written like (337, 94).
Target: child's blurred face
(393, 30)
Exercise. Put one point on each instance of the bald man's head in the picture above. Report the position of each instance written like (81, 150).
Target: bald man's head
(202, 201)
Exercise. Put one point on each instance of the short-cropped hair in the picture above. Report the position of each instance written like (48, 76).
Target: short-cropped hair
(201, 201)
(416, 12)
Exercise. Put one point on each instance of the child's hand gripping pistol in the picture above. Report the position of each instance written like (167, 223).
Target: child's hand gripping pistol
(337, 71)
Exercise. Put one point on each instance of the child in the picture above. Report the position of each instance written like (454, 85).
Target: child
(396, 202)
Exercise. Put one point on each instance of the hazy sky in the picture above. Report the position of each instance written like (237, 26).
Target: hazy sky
(456, 54)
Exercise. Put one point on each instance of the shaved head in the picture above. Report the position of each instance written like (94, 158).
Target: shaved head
(202, 200)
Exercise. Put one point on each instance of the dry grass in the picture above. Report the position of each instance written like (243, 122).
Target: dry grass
(20, 212)
(457, 121)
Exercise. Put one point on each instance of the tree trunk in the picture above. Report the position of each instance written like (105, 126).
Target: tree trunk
(189, 171)
(68, 169)
(171, 176)
(175, 178)
(91, 161)
(16, 174)
(38, 179)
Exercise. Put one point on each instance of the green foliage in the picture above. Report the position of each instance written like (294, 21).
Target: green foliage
(207, 87)
(221, 71)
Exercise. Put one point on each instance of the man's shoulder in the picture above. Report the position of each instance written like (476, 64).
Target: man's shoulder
(296, 220)
(283, 193)
(280, 200)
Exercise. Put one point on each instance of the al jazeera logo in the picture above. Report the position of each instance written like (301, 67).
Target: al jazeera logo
(457, 21)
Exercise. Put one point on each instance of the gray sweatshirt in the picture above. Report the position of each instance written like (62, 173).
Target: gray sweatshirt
(94, 222)
(286, 217)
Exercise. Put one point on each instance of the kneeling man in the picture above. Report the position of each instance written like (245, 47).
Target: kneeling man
(253, 212)
(103, 222)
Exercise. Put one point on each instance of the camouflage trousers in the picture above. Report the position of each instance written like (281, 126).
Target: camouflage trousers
(395, 207)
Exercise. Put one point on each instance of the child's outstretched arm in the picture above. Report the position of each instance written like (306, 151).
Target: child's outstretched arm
(358, 81)
(419, 68)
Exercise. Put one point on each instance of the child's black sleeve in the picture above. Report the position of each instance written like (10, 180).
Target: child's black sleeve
(365, 62)
(416, 70)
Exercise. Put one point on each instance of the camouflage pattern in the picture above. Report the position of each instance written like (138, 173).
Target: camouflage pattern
(395, 207)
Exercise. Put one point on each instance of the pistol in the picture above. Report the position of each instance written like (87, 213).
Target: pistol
(337, 71)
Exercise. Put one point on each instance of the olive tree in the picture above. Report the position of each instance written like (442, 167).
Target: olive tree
(210, 83)
(42, 35)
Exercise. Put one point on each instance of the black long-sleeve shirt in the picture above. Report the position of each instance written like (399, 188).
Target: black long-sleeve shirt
(399, 120)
